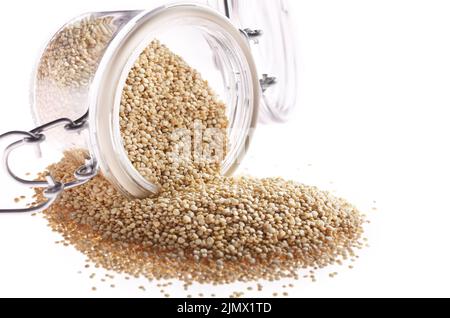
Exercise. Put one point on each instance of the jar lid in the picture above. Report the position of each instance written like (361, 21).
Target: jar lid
(266, 24)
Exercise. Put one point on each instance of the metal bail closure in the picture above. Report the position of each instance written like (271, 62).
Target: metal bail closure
(266, 24)
(51, 188)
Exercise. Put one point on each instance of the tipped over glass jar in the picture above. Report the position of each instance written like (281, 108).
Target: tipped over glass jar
(244, 49)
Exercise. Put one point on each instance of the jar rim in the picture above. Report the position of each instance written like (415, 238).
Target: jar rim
(106, 90)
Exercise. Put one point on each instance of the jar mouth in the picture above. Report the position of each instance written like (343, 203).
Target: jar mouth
(232, 57)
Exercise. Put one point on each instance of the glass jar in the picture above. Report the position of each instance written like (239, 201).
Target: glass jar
(82, 71)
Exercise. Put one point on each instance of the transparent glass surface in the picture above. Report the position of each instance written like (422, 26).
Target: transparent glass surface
(85, 64)
(274, 51)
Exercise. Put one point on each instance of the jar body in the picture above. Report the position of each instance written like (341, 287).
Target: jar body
(84, 68)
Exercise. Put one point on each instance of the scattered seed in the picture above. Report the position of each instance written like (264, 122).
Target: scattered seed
(201, 227)
(270, 257)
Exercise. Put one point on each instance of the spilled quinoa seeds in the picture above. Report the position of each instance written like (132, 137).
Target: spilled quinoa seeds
(201, 227)
(223, 231)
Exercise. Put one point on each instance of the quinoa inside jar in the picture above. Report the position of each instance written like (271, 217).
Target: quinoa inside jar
(173, 125)
(175, 86)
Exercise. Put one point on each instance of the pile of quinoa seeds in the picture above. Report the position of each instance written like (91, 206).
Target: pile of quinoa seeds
(202, 227)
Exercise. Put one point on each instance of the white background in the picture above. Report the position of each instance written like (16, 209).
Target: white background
(372, 125)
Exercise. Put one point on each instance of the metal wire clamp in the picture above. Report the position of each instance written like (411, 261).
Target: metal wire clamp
(53, 188)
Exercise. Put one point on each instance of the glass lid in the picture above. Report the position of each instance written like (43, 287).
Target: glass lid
(266, 23)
